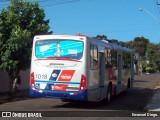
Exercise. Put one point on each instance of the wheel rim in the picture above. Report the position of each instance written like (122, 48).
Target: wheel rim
(109, 96)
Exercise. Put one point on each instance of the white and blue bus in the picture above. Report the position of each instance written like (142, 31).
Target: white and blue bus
(76, 67)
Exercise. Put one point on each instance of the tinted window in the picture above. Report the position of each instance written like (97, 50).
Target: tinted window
(94, 57)
(59, 48)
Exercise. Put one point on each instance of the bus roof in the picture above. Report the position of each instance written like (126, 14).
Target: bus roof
(104, 43)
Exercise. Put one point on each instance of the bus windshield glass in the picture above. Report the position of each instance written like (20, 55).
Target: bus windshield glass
(59, 48)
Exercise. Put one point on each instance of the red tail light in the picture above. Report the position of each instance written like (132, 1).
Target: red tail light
(32, 84)
(83, 83)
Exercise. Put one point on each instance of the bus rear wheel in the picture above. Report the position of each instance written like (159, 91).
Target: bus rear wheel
(109, 93)
(65, 100)
(129, 83)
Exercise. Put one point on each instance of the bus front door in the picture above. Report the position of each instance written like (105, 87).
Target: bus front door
(102, 70)
(119, 82)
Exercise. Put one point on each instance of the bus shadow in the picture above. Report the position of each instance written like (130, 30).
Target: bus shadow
(140, 81)
(131, 100)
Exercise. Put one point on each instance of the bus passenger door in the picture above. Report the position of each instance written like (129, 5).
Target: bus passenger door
(119, 82)
(102, 71)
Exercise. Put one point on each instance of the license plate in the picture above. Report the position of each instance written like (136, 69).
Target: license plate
(59, 87)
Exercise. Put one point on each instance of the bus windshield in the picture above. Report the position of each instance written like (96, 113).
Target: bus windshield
(59, 48)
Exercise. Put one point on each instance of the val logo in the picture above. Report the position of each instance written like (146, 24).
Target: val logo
(54, 75)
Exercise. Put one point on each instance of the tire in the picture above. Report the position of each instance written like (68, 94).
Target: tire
(109, 93)
(129, 83)
(64, 100)
(67, 100)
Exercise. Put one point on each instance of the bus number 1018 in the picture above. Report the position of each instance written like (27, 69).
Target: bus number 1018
(41, 76)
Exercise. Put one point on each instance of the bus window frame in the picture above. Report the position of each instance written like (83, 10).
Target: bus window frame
(60, 40)
(94, 57)
(114, 66)
(126, 63)
(108, 63)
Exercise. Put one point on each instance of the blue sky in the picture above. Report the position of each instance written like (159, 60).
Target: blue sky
(117, 19)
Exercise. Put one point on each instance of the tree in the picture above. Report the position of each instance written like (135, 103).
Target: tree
(101, 37)
(139, 44)
(153, 53)
(18, 24)
(113, 41)
(129, 44)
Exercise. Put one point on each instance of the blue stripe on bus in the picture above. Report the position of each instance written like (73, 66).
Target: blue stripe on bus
(49, 81)
(54, 75)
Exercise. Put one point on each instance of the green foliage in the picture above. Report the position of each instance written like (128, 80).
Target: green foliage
(148, 69)
(18, 24)
(101, 37)
(113, 41)
(153, 55)
(139, 44)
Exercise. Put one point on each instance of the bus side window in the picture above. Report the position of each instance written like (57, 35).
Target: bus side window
(129, 61)
(93, 57)
(114, 58)
(126, 60)
(108, 58)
